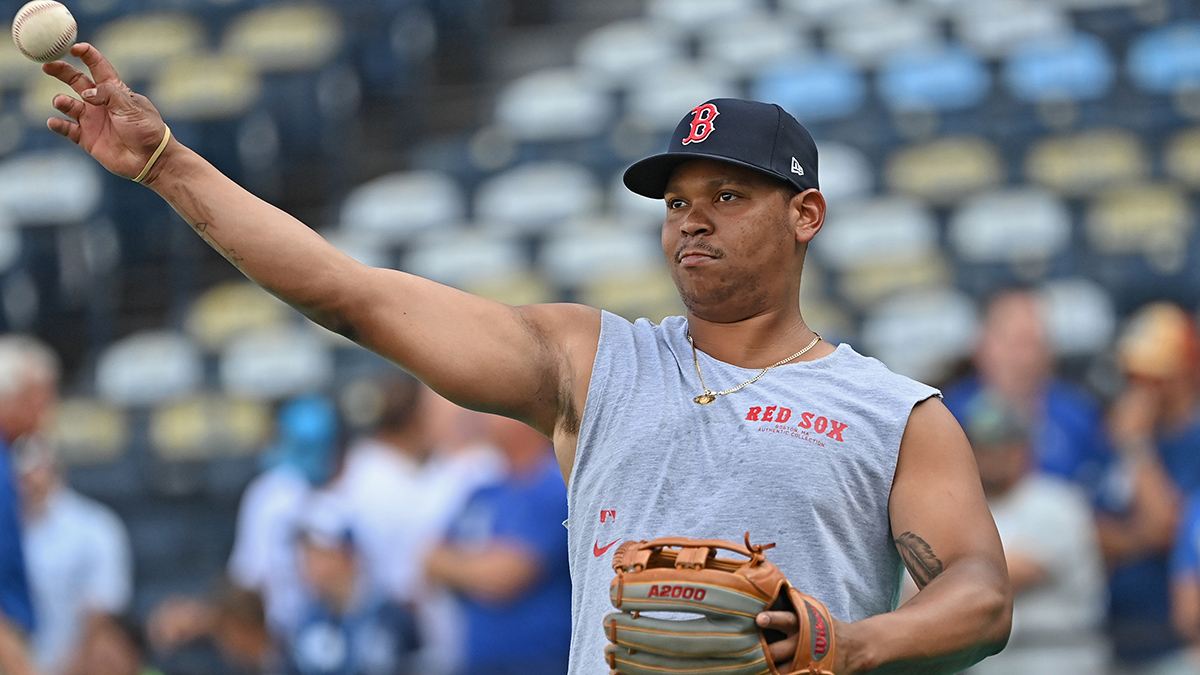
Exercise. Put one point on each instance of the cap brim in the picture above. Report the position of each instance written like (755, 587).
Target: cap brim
(648, 177)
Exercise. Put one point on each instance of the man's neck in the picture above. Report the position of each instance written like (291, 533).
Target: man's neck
(758, 341)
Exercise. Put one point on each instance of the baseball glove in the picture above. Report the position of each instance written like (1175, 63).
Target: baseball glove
(685, 576)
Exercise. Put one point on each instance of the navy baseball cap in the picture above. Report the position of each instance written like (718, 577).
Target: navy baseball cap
(757, 135)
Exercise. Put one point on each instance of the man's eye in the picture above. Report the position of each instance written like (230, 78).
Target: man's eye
(726, 196)
(674, 203)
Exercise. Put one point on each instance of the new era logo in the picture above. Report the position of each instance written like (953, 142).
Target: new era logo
(796, 168)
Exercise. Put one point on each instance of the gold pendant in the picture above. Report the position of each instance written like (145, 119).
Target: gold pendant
(705, 399)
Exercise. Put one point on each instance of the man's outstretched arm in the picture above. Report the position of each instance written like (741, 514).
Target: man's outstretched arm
(522, 362)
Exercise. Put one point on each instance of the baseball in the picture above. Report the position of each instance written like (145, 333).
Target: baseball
(44, 30)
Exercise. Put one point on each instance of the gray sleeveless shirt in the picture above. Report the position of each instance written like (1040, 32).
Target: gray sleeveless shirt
(803, 458)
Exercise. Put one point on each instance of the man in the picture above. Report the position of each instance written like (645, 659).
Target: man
(80, 562)
(636, 433)
(1014, 361)
(401, 492)
(1155, 425)
(347, 625)
(506, 561)
(29, 373)
(1051, 546)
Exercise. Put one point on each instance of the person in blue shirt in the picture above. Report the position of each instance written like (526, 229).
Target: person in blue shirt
(1155, 426)
(1014, 361)
(29, 373)
(505, 558)
(348, 625)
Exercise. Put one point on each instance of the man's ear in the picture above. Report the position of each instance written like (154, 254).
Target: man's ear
(807, 211)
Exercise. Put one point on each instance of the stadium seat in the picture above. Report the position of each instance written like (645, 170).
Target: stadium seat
(819, 12)
(616, 52)
(922, 334)
(552, 105)
(88, 431)
(285, 36)
(231, 308)
(1067, 67)
(534, 196)
(885, 230)
(207, 426)
(139, 44)
(398, 206)
(696, 14)
(57, 187)
(945, 170)
(148, 368)
(846, 174)
(274, 363)
(866, 37)
(1079, 164)
(867, 285)
(576, 255)
(1181, 158)
(933, 79)
(660, 95)
(1015, 226)
(1167, 59)
(1079, 315)
(812, 87)
(651, 295)
(468, 257)
(1148, 218)
(750, 41)
(991, 27)
(199, 87)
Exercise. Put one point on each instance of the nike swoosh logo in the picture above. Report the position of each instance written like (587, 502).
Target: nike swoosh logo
(598, 551)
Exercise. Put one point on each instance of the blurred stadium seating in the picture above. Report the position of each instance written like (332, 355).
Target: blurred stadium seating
(965, 145)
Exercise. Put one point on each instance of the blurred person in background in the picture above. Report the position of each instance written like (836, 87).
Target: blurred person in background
(1013, 359)
(234, 618)
(401, 486)
(1051, 547)
(1155, 427)
(305, 455)
(79, 559)
(505, 559)
(29, 374)
(112, 645)
(348, 624)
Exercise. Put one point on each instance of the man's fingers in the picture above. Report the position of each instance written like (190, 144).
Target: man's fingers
(69, 75)
(111, 95)
(68, 106)
(784, 622)
(783, 650)
(65, 128)
(101, 69)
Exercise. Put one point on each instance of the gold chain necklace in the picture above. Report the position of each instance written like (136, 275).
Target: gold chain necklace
(709, 395)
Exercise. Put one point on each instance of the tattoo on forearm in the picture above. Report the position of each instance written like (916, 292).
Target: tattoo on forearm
(206, 230)
(919, 558)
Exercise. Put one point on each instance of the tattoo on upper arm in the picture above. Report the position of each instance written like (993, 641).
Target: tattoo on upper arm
(919, 558)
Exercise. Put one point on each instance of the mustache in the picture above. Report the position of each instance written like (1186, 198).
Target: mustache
(700, 246)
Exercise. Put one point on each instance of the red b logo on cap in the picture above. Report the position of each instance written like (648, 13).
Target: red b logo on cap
(702, 123)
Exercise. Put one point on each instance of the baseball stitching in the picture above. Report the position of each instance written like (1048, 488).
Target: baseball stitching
(61, 44)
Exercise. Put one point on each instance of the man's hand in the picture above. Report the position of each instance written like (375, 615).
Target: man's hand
(117, 127)
(781, 652)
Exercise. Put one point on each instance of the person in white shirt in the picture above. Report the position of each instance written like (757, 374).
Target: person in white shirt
(1051, 547)
(402, 488)
(79, 559)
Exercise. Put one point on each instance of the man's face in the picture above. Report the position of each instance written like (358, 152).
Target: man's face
(29, 409)
(729, 239)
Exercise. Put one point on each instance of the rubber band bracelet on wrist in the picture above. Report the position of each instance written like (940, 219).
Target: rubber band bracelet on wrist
(154, 158)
